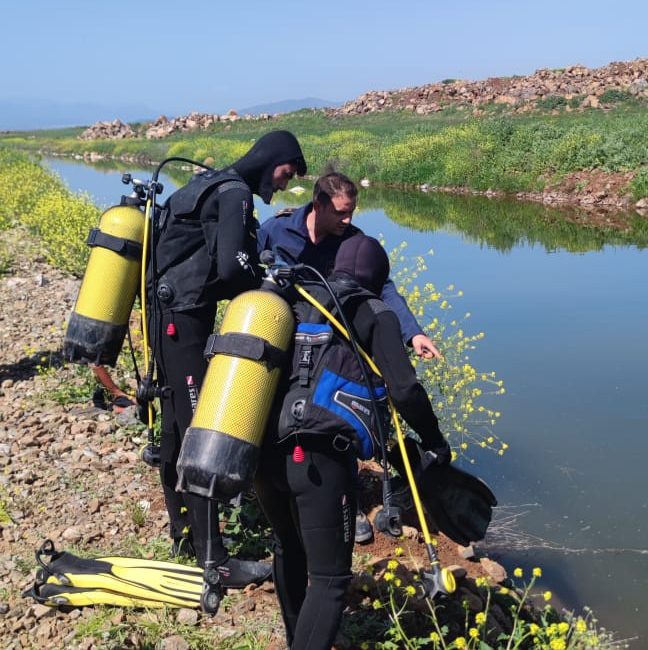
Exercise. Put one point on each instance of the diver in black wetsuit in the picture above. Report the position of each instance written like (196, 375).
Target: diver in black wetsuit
(311, 502)
(205, 251)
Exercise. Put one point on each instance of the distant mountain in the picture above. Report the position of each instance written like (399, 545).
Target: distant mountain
(289, 105)
(27, 114)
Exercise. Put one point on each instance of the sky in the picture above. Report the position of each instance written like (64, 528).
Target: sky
(210, 56)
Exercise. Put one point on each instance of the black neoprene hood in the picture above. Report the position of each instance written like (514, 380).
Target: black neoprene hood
(365, 260)
(269, 151)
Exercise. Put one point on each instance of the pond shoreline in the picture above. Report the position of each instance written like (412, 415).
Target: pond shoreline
(597, 196)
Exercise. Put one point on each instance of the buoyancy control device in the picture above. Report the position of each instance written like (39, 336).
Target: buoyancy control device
(221, 448)
(99, 321)
(327, 393)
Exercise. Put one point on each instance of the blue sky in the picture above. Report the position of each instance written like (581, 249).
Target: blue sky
(175, 57)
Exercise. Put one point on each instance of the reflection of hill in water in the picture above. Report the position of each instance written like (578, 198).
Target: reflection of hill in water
(499, 223)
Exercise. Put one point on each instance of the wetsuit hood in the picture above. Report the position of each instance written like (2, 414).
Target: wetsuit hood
(363, 259)
(269, 151)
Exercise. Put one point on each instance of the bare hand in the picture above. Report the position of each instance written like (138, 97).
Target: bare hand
(425, 348)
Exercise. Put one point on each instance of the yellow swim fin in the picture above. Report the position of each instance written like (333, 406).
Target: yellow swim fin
(114, 580)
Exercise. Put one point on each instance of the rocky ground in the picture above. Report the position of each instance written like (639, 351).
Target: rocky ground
(71, 473)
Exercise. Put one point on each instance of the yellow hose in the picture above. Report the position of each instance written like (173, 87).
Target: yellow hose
(145, 245)
(399, 432)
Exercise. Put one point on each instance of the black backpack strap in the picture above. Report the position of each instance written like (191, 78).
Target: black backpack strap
(246, 346)
(127, 248)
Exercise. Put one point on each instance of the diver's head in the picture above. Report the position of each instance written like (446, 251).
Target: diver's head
(362, 259)
(272, 161)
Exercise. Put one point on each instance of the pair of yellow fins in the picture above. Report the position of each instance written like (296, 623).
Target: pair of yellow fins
(65, 580)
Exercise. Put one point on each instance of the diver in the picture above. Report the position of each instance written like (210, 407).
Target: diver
(306, 482)
(205, 251)
(311, 235)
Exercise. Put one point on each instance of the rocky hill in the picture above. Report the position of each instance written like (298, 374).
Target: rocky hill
(577, 87)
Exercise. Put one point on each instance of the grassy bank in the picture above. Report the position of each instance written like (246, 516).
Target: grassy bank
(499, 151)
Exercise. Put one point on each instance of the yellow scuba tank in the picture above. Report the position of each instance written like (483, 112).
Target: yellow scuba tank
(99, 321)
(220, 449)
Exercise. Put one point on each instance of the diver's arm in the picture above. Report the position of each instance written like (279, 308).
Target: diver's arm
(381, 333)
(229, 228)
(409, 328)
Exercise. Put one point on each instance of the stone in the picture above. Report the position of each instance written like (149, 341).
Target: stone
(72, 534)
(466, 552)
(495, 570)
(175, 642)
(186, 616)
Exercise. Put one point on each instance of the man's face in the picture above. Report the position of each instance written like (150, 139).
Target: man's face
(282, 174)
(334, 217)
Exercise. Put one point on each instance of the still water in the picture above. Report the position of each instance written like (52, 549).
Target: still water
(565, 312)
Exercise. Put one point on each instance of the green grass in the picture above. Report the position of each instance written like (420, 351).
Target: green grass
(501, 150)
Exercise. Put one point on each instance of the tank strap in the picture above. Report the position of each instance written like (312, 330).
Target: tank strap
(125, 247)
(247, 346)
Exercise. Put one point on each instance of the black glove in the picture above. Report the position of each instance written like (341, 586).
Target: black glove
(439, 455)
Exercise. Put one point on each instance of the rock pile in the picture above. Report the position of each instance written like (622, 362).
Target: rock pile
(578, 84)
(115, 130)
(163, 127)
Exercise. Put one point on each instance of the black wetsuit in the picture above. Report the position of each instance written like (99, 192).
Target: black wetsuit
(312, 505)
(205, 251)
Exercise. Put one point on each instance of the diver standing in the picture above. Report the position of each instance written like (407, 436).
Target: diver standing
(312, 235)
(306, 482)
(205, 251)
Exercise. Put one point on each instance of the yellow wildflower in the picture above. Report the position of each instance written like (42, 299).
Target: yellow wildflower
(581, 626)
(473, 632)
(563, 627)
(460, 642)
(480, 618)
(434, 637)
(376, 604)
(481, 582)
(558, 644)
(517, 572)
(537, 572)
(547, 595)
(534, 629)
(410, 590)
(392, 565)
(503, 591)
(388, 576)
(398, 551)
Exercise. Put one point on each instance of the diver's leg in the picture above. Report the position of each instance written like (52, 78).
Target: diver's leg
(289, 560)
(324, 488)
(183, 367)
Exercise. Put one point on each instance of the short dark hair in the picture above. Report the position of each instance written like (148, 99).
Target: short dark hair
(331, 184)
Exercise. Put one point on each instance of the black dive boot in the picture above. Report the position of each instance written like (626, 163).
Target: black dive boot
(236, 574)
